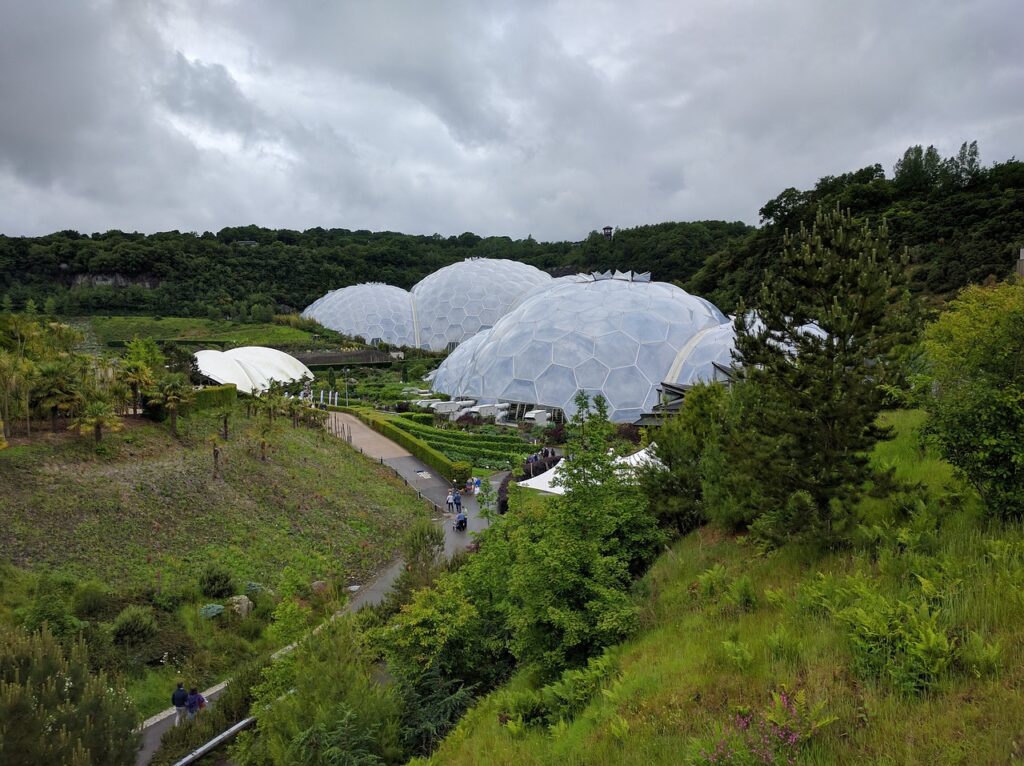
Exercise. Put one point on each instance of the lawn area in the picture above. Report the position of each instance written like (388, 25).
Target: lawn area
(147, 506)
(140, 518)
(911, 641)
(115, 330)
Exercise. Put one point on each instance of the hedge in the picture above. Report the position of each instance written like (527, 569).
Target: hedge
(423, 418)
(214, 397)
(431, 431)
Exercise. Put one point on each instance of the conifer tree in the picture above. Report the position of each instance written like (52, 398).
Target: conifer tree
(815, 351)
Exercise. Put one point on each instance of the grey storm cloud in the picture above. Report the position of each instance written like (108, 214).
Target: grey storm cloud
(542, 118)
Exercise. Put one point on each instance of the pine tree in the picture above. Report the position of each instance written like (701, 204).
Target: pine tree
(815, 353)
(53, 710)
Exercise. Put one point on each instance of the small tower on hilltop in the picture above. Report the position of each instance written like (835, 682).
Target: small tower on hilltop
(607, 231)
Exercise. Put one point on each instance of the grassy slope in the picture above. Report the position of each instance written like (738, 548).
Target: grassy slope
(678, 683)
(185, 330)
(151, 508)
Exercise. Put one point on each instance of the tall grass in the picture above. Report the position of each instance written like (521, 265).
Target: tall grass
(702, 656)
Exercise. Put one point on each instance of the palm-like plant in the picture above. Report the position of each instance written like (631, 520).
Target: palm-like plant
(138, 376)
(295, 408)
(172, 393)
(57, 390)
(99, 416)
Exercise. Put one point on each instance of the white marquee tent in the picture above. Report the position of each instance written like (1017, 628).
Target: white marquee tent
(545, 482)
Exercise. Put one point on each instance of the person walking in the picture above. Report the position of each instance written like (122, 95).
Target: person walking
(458, 501)
(450, 501)
(194, 703)
(179, 698)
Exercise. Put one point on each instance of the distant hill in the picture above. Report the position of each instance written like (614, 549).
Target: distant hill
(962, 222)
(250, 273)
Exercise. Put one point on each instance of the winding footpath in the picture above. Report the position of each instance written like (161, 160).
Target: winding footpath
(420, 478)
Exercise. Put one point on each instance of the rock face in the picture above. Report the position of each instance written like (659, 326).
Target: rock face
(319, 587)
(242, 605)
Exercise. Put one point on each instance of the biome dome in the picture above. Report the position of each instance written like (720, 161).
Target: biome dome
(444, 308)
(375, 312)
(616, 335)
(456, 302)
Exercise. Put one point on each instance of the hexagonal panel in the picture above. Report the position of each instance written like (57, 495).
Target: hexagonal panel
(616, 349)
(572, 349)
(591, 374)
(556, 386)
(626, 387)
(532, 360)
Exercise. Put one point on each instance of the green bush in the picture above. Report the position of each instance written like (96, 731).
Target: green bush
(54, 711)
(975, 392)
(214, 397)
(216, 582)
(742, 594)
(461, 471)
(712, 582)
(49, 606)
(134, 625)
(423, 418)
(91, 600)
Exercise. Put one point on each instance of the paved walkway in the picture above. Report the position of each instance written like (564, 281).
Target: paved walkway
(417, 475)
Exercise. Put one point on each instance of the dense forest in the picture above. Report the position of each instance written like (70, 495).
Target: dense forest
(961, 221)
(250, 272)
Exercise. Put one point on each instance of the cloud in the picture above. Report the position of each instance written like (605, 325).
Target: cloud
(543, 118)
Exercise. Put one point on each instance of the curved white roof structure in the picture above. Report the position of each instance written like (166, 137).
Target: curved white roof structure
(374, 311)
(616, 335)
(251, 368)
(449, 306)
(456, 302)
(705, 356)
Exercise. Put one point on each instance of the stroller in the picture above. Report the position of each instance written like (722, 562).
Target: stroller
(460, 522)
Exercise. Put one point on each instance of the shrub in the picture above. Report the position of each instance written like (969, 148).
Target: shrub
(91, 600)
(214, 397)
(742, 594)
(711, 582)
(461, 471)
(975, 395)
(63, 713)
(215, 581)
(134, 625)
(51, 609)
(737, 654)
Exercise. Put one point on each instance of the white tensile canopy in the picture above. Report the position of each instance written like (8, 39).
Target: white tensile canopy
(545, 481)
(251, 368)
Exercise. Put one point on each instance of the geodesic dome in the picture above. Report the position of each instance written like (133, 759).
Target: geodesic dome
(374, 312)
(705, 357)
(457, 301)
(612, 335)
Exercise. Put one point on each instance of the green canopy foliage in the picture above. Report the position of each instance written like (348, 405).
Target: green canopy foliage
(53, 711)
(975, 392)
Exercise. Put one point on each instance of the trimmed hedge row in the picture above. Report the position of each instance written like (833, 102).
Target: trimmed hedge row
(474, 438)
(213, 397)
(423, 418)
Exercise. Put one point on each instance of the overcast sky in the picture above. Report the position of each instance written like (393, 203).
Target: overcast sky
(527, 117)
